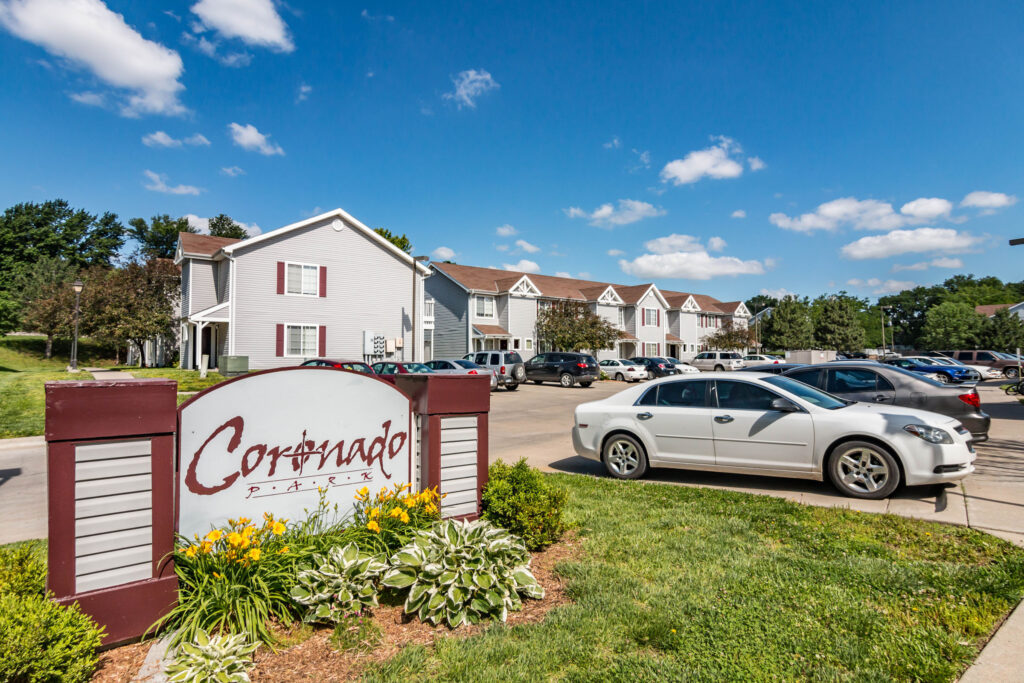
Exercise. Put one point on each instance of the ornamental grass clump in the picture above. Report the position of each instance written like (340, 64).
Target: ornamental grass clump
(214, 659)
(463, 573)
(343, 583)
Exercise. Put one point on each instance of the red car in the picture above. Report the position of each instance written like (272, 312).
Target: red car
(353, 365)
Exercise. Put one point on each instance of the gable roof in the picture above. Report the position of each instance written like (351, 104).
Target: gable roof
(194, 244)
(734, 307)
(989, 310)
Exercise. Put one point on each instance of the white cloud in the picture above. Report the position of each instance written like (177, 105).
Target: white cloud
(203, 225)
(714, 162)
(981, 199)
(233, 171)
(92, 99)
(442, 254)
(162, 139)
(693, 265)
(505, 230)
(643, 160)
(365, 14)
(927, 208)
(158, 183)
(716, 244)
(915, 241)
(254, 22)
(608, 216)
(616, 252)
(614, 143)
(780, 293)
(249, 138)
(527, 247)
(674, 243)
(683, 256)
(524, 266)
(469, 85)
(941, 262)
(756, 164)
(501, 247)
(882, 286)
(867, 214)
(562, 273)
(304, 91)
(87, 34)
(738, 213)
(583, 275)
(210, 49)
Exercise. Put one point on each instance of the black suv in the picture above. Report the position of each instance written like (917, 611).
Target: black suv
(656, 367)
(565, 368)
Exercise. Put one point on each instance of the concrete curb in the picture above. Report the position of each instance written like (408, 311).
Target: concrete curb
(1000, 660)
(22, 442)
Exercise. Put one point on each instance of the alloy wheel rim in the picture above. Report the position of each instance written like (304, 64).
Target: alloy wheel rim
(623, 457)
(864, 470)
(566, 380)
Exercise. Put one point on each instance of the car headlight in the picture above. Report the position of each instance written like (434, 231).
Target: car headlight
(929, 434)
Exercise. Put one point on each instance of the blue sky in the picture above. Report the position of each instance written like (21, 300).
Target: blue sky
(723, 148)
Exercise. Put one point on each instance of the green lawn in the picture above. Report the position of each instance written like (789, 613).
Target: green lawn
(22, 353)
(695, 584)
(188, 380)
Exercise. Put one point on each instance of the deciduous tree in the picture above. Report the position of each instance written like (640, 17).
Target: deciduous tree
(1004, 331)
(731, 336)
(572, 326)
(159, 237)
(951, 325)
(222, 225)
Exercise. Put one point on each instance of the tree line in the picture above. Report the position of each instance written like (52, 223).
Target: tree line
(941, 317)
(130, 284)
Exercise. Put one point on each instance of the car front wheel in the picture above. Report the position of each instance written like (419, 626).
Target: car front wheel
(624, 457)
(864, 470)
(566, 380)
(943, 377)
(719, 368)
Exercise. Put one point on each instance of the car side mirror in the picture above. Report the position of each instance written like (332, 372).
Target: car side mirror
(784, 406)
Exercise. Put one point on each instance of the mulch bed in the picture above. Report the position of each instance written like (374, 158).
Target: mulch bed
(316, 659)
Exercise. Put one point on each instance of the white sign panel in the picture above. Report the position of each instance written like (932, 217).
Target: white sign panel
(268, 442)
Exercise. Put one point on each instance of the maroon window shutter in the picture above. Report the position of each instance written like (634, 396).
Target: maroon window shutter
(659, 317)
(323, 334)
(323, 287)
(280, 280)
(280, 340)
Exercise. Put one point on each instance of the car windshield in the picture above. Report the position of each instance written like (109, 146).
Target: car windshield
(808, 393)
(416, 368)
(912, 361)
(1006, 356)
(628, 362)
(513, 357)
(935, 361)
(357, 367)
(468, 364)
(674, 361)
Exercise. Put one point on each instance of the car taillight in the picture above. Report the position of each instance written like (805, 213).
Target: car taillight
(661, 365)
(581, 365)
(503, 369)
(971, 399)
(471, 372)
(337, 366)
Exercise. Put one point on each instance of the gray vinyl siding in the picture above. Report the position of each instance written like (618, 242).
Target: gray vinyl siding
(186, 270)
(451, 310)
(608, 312)
(501, 308)
(673, 323)
(631, 320)
(368, 288)
(223, 281)
(522, 323)
(651, 333)
(204, 285)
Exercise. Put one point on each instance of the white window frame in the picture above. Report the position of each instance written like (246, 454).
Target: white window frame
(316, 341)
(544, 304)
(650, 349)
(483, 299)
(303, 266)
(654, 317)
(622, 318)
(528, 344)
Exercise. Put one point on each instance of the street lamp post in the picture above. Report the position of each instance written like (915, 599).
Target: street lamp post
(77, 285)
(415, 260)
(881, 315)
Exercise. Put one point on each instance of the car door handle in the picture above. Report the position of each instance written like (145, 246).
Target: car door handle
(644, 416)
(881, 398)
(724, 419)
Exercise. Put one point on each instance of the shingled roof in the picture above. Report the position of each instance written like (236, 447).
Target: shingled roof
(204, 245)
(989, 310)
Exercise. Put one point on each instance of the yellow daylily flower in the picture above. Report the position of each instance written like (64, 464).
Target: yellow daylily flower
(214, 535)
(277, 529)
(373, 526)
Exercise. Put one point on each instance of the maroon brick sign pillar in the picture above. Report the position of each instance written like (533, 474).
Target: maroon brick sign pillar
(451, 413)
(111, 491)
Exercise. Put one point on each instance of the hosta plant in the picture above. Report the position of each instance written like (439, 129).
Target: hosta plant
(342, 583)
(463, 573)
(220, 659)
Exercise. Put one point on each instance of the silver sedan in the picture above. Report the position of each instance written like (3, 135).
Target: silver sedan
(458, 366)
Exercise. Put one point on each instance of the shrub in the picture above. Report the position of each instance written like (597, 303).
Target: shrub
(342, 583)
(23, 569)
(225, 659)
(43, 641)
(463, 573)
(518, 498)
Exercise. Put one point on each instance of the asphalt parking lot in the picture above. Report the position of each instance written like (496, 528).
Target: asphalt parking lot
(534, 422)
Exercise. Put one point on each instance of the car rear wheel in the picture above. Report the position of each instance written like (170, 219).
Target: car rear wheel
(511, 387)
(624, 457)
(619, 377)
(1010, 373)
(537, 381)
(864, 470)
(585, 384)
(566, 380)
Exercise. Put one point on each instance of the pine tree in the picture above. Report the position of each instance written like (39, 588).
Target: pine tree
(837, 325)
(1003, 332)
(789, 325)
